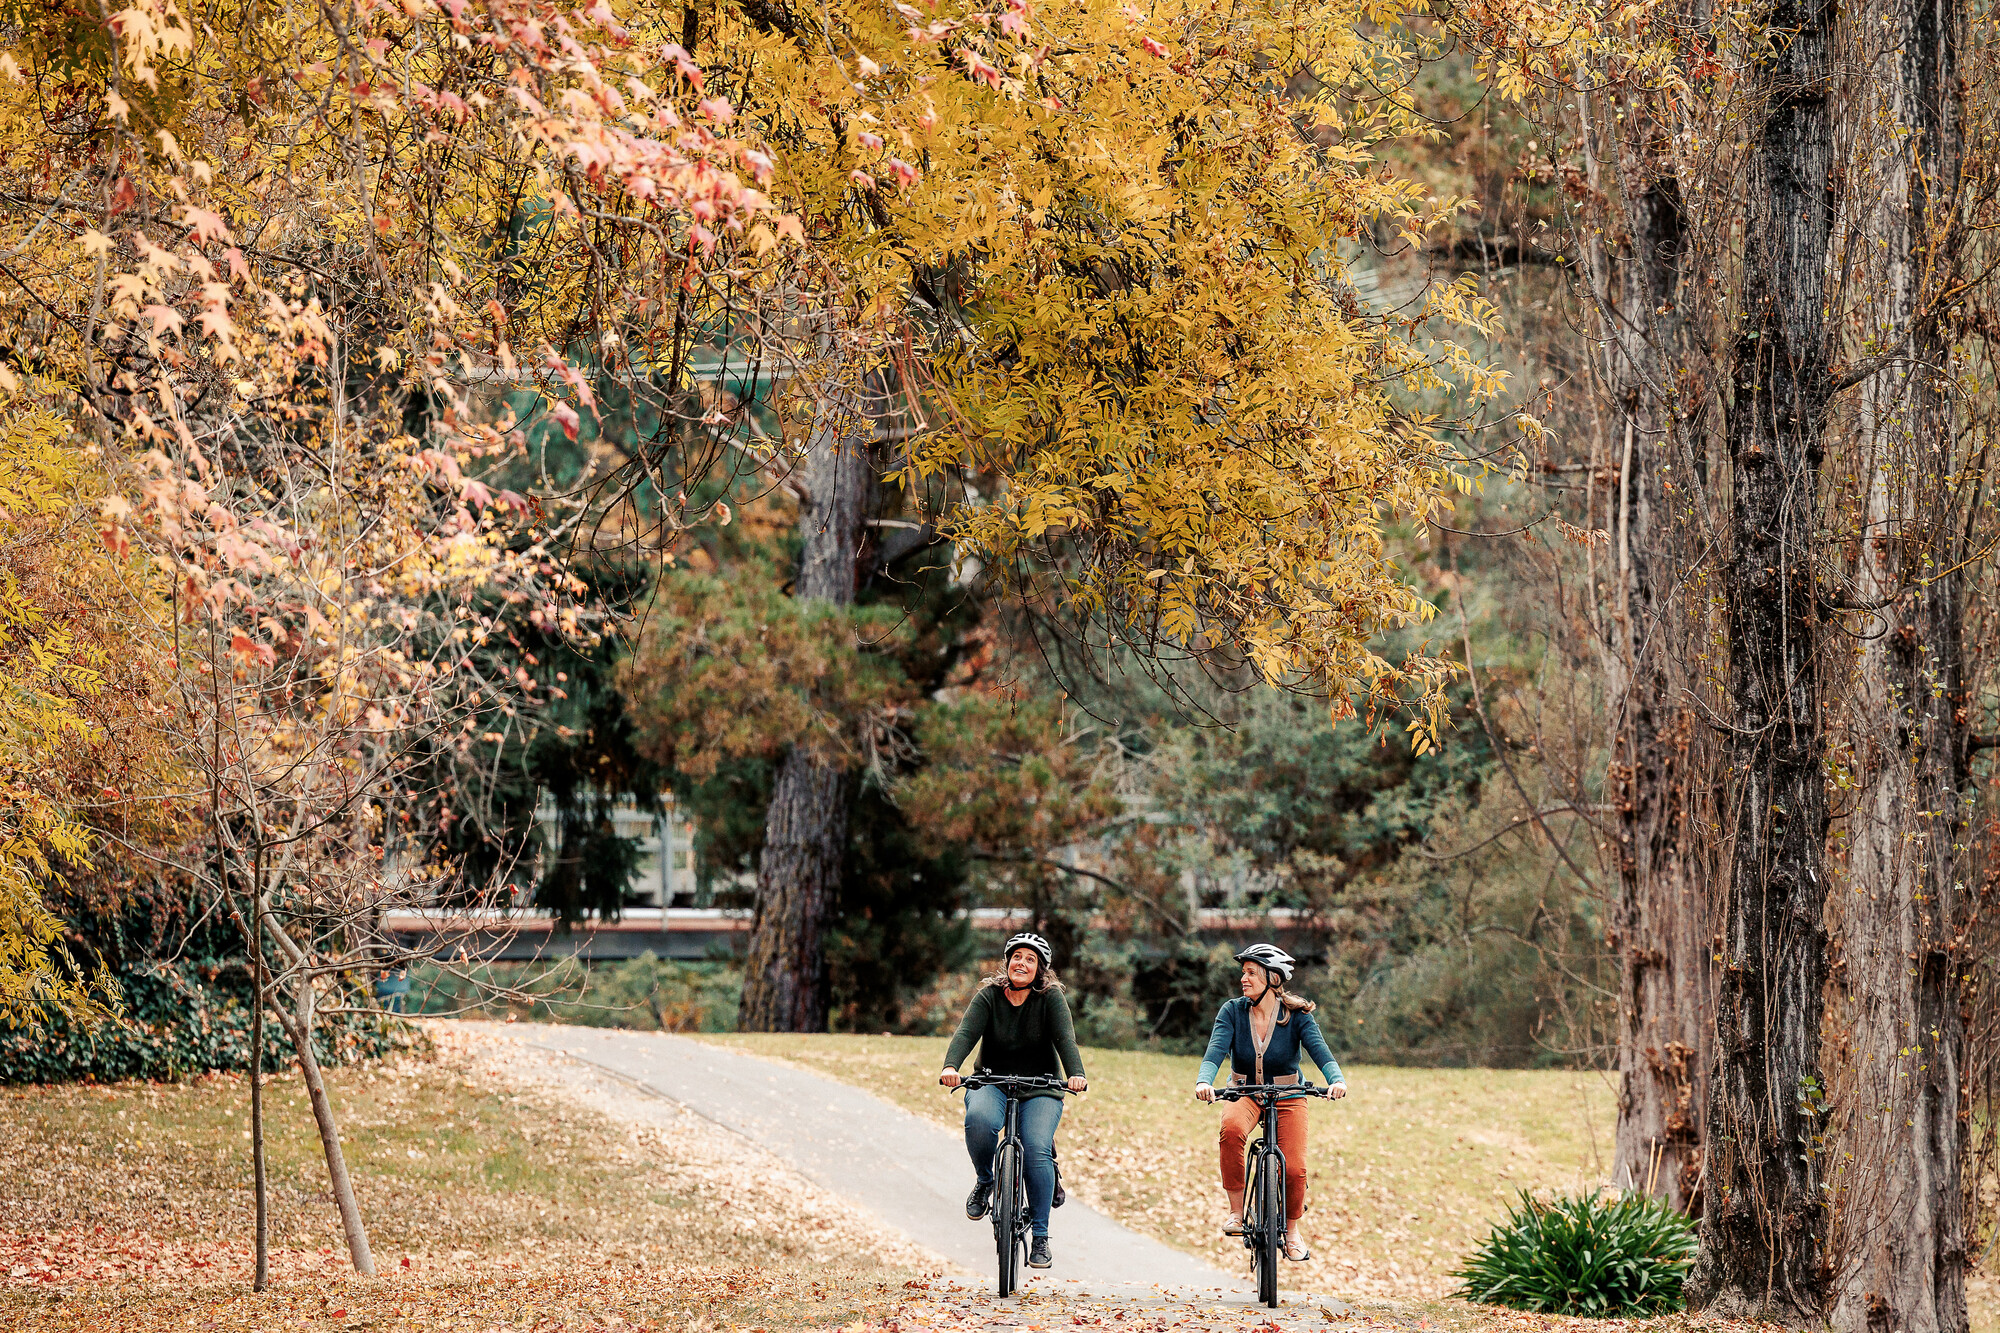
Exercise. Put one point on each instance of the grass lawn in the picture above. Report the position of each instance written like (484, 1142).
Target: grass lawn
(1407, 1172)
(491, 1205)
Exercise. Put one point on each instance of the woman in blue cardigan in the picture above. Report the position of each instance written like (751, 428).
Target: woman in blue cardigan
(1261, 1034)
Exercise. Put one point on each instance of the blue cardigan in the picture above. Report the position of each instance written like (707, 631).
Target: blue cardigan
(1293, 1031)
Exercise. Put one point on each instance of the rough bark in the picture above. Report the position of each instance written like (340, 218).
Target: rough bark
(1663, 759)
(805, 827)
(1902, 1232)
(1764, 1222)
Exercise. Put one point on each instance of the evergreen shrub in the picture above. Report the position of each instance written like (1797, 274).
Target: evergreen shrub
(1594, 1256)
(183, 1019)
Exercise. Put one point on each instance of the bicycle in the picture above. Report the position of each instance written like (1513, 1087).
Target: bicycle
(1009, 1209)
(1264, 1188)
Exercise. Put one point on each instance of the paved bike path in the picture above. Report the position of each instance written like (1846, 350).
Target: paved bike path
(911, 1174)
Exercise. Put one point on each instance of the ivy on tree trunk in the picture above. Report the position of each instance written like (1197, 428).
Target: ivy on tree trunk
(1899, 1003)
(1664, 760)
(1764, 1225)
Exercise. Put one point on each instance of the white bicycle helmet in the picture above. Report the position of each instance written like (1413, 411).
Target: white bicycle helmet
(1029, 940)
(1273, 959)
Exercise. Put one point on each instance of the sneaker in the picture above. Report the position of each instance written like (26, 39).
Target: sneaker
(976, 1202)
(1234, 1226)
(1038, 1253)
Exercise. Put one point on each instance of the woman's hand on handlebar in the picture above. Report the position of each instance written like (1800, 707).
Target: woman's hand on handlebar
(1203, 1093)
(1335, 1091)
(1078, 1084)
(949, 1078)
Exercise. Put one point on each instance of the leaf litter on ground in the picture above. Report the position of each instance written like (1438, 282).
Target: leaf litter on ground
(509, 1191)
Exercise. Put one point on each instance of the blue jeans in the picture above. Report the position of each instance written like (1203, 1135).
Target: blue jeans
(986, 1118)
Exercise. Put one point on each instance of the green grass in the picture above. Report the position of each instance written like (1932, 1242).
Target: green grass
(643, 994)
(441, 1159)
(1407, 1173)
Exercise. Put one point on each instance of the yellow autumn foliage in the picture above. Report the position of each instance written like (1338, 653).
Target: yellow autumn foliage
(48, 673)
(1120, 233)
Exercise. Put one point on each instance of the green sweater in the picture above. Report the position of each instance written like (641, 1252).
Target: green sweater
(1024, 1038)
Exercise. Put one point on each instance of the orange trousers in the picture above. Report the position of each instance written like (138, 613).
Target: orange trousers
(1239, 1122)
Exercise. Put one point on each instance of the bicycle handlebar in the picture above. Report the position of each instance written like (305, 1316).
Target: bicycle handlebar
(1237, 1091)
(1032, 1082)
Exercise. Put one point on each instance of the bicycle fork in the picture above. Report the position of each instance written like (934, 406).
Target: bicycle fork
(1267, 1159)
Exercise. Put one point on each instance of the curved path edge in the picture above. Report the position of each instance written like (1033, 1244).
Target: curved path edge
(911, 1175)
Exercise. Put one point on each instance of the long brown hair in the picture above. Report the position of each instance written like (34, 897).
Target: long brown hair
(1297, 1004)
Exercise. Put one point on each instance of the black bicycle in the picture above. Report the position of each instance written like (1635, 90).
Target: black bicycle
(1010, 1179)
(1264, 1189)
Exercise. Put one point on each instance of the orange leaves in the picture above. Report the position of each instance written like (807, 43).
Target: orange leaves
(244, 646)
(976, 66)
(683, 64)
(114, 516)
(600, 14)
(164, 318)
(205, 225)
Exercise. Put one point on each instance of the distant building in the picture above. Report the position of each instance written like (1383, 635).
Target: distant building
(665, 875)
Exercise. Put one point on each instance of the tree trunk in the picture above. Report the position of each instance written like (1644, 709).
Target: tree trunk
(1902, 1229)
(261, 1177)
(1663, 759)
(805, 828)
(1764, 1223)
(798, 878)
(299, 1027)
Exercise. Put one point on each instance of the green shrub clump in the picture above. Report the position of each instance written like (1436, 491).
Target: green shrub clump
(178, 1020)
(1594, 1256)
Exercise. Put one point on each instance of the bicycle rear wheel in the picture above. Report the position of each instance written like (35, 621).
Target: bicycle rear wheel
(1270, 1186)
(1007, 1211)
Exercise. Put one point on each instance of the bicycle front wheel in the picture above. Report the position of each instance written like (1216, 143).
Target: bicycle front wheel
(1270, 1186)
(1008, 1208)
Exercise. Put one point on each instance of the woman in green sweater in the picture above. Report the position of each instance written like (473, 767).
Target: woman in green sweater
(1021, 1023)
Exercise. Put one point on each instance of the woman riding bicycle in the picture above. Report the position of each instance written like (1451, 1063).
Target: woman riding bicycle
(1021, 1022)
(1261, 1034)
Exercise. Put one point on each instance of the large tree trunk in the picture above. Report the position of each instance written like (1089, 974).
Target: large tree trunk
(805, 828)
(1663, 759)
(1902, 1226)
(1764, 1223)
